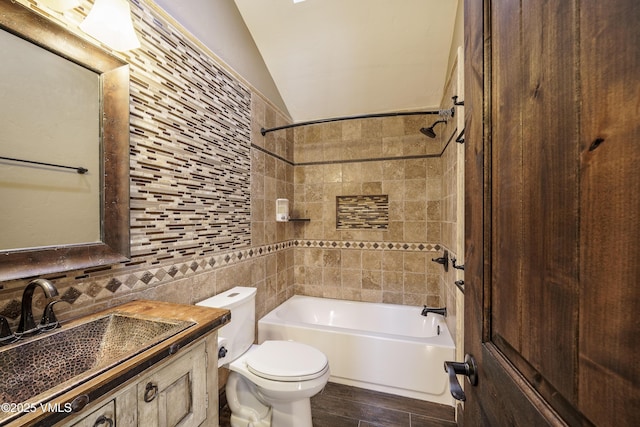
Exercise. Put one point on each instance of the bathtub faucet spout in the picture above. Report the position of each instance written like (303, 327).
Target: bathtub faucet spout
(441, 311)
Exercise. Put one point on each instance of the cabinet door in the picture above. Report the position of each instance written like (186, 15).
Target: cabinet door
(116, 410)
(175, 395)
(104, 416)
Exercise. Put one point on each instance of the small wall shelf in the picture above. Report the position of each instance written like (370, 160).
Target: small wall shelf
(299, 219)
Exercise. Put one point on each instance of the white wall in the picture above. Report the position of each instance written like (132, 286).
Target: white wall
(458, 37)
(228, 37)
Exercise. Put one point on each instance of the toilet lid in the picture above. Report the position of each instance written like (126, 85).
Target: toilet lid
(286, 361)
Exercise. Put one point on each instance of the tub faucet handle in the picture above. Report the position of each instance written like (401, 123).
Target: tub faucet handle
(443, 260)
(456, 266)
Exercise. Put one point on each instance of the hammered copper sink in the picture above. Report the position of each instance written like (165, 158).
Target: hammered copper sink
(35, 366)
(81, 363)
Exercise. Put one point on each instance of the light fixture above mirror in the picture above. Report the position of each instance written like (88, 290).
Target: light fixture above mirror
(109, 22)
(61, 5)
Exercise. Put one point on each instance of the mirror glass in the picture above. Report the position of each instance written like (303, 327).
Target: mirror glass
(43, 96)
(65, 103)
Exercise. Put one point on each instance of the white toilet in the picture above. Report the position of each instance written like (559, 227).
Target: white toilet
(270, 384)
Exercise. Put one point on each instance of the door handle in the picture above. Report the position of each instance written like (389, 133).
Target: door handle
(469, 368)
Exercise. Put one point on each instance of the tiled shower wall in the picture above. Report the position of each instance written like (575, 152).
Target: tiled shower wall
(453, 209)
(201, 193)
(367, 157)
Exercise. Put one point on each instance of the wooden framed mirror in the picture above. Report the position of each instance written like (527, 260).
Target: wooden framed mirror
(112, 243)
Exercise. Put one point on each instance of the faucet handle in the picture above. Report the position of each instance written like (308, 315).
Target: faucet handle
(6, 336)
(49, 320)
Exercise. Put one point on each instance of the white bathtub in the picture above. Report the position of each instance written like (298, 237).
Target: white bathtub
(383, 347)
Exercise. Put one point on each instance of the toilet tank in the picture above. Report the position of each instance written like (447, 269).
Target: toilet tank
(237, 335)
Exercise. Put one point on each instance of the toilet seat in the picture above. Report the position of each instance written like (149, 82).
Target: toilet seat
(286, 361)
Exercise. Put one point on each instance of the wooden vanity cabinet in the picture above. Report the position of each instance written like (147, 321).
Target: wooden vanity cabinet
(176, 394)
(180, 391)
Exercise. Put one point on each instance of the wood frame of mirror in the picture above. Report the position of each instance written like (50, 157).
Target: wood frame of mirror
(114, 87)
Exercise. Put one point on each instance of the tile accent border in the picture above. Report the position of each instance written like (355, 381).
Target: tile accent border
(380, 246)
(110, 285)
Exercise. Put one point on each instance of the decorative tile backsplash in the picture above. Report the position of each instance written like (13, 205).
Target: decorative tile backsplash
(190, 149)
(362, 212)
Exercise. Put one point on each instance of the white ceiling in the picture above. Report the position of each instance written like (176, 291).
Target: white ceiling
(333, 58)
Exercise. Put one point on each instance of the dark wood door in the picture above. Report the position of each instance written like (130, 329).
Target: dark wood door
(552, 164)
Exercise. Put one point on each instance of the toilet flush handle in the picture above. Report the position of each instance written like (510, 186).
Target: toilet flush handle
(222, 352)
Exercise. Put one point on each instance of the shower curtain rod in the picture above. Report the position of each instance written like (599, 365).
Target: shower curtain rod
(264, 131)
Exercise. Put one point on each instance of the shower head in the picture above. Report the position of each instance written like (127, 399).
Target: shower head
(429, 131)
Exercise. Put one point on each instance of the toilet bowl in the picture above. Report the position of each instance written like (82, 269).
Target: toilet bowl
(270, 384)
(282, 376)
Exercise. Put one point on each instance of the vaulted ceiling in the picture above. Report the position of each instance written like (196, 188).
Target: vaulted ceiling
(333, 58)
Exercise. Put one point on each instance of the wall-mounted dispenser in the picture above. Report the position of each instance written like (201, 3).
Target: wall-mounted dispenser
(282, 210)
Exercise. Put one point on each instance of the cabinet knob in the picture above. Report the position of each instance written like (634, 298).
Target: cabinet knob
(173, 349)
(150, 392)
(79, 403)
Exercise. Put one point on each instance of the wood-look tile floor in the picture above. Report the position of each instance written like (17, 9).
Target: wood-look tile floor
(344, 406)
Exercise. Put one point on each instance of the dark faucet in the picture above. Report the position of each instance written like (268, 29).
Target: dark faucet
(441, 311)
(27, 326)
(444, 260)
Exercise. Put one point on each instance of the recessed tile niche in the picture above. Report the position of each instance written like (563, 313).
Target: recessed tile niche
(362, 212)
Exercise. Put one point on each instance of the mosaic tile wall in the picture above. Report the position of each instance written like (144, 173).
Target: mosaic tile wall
(190, 142)
(362, 212)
